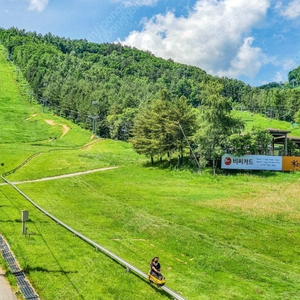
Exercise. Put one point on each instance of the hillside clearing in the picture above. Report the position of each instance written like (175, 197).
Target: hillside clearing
(65, 128)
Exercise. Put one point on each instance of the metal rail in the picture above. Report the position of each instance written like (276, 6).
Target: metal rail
(116, 258)
(51, 150)
(21, 165)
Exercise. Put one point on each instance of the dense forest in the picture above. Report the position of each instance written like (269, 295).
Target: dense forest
(117, 86)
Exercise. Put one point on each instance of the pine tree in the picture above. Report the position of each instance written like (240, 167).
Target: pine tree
(156, 128)
(216, 122)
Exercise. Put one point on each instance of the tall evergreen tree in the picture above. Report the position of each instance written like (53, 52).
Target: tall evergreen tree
(156, 130)
(217, 124)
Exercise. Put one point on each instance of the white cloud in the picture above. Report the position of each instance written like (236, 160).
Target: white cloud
(138, 2)
(289, 64)
(38, 5)
(286, 66)
(212, 37)
(279, 77)
(247, 62)
(278, 5)
(292, 11)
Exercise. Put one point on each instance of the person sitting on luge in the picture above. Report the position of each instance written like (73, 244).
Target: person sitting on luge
(155, 269)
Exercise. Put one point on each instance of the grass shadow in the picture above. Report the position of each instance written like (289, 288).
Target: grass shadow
(157, 288)
(66, 273)
(173, 164)
(27, 270)
(152, 285)
(256, 173)
(16, 221)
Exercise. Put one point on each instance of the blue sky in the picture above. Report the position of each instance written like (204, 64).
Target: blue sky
(257, 41)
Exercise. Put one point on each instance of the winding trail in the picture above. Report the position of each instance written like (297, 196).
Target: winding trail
(62, 176)
(65, 128)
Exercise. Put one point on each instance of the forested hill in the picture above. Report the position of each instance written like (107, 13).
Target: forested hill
(78, 79)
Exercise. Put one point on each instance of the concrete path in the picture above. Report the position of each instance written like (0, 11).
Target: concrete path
(6, 292)
(62, 176)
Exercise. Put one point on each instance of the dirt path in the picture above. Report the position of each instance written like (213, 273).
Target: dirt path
(6, 292)
(65, 127)
(31, 116)
(62, 176)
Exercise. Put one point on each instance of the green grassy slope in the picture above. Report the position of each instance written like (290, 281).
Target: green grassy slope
(232, 237)
(262, 122)
(17, 121)
(58, 265)
(225, 237)
(61, 266)
(23, 127)
(96, 156)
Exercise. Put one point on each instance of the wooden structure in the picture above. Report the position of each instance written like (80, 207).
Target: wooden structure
(279, 137)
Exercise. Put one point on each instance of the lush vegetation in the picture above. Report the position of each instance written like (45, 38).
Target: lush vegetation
(127, 94)
(161, 126)
(224, 237)
(78, 79)
(294, 77)
(233, 238)
(261, 121)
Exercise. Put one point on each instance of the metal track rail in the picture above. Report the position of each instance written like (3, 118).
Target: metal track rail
(116, 258)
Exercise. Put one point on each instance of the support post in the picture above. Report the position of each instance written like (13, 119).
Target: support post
(199, 166)
(94, 120)
(25, 217)
(285, 144)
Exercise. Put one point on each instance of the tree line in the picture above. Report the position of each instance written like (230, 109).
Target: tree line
(159, 105)
(70, 75)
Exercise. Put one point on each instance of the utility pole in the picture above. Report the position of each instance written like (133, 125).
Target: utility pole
(18, 74)
(31, 94)
(94, 122)
(190, 147)
(44, 101)
(293, 81)
(94, 118)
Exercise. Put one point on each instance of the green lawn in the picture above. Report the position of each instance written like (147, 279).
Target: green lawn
(22, 121)
(103, 153)
(230, 237)
(16, 118)
(260, 121)
(224, 237)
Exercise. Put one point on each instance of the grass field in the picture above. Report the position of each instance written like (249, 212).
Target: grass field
(260, 121)
(224, 237)
(230, 237)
